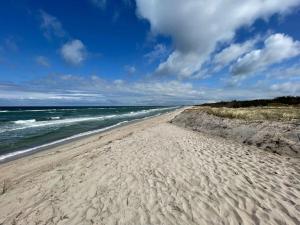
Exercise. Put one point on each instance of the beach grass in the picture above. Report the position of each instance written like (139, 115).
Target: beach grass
(272, 113)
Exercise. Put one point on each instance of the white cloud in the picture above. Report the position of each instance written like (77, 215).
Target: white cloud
(182, 64)
(118, 82)
(171, 88)
(158, 52)
(35, 95)
(51, 25)
(232, 52)
(197, 26)
(95, 90)
(76, 90)
(42, 60)
(283, 72)
(74, 52)
(277, 47)
(287, 87)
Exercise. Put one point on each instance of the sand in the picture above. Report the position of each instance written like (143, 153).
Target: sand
(279, 137)
(151, 172)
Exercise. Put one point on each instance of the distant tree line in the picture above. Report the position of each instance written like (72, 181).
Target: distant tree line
(284, 100)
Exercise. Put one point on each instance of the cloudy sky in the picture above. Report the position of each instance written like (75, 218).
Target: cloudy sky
(147, 52)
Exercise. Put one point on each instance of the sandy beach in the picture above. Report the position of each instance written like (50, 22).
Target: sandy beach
(151, 172)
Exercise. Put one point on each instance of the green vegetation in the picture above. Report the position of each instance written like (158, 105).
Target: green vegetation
(279, 101)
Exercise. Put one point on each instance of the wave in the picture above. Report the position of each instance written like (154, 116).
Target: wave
(26, 124)
(24, 121)
(34, 123)
(55, 118)
(21, 152)
(53, 110)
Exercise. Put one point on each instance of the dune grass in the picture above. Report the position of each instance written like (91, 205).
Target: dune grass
(273, 113)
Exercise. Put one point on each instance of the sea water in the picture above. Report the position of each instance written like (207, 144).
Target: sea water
(28, 129)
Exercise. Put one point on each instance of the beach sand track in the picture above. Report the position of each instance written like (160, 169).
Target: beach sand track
(151, 172)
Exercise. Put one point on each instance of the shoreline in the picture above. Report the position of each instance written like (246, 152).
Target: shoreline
(48, 146)
(151, 172)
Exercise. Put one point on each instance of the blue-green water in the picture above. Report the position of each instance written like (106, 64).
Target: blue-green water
(24, 129)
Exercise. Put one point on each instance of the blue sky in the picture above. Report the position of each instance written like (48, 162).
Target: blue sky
(141, 52)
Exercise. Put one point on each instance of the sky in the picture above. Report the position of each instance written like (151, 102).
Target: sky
(147, 52)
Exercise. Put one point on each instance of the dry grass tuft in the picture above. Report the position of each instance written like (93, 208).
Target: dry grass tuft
(279, 113)
(4, 186)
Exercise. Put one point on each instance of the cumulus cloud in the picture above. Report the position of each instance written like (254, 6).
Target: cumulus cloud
(42, 60)
(73, 52)
(181, 64)
(277, 47)
(51, 26)
(197, 26)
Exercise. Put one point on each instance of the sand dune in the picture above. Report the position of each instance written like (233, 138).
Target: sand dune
(151, 172)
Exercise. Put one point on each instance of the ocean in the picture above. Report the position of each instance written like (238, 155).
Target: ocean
(24, 130)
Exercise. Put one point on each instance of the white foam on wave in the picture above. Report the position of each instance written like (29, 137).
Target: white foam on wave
(2, 111)
(26, 124)
(21, 152)
(12, 154)
(55, 118)
(34, 124)
(24, 121)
